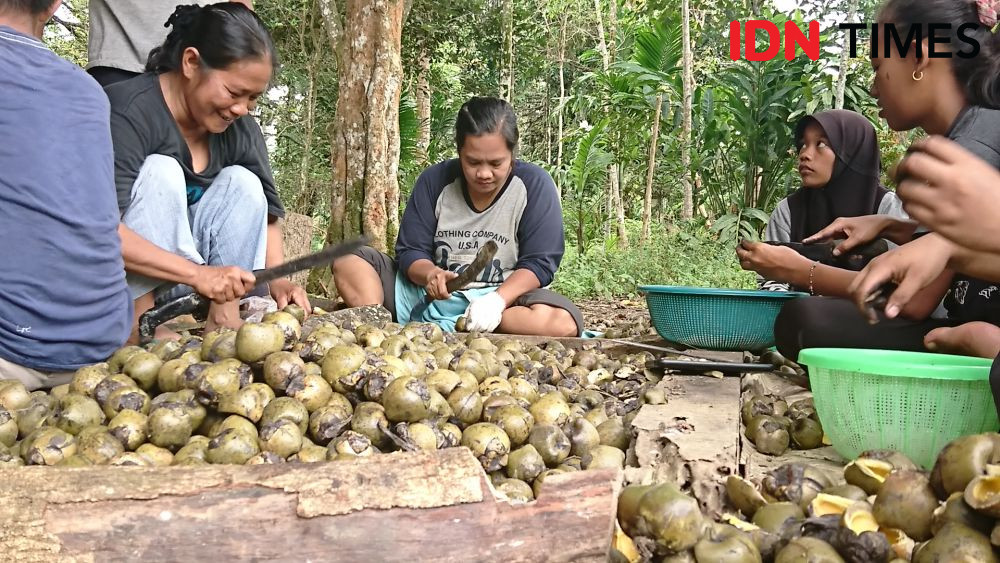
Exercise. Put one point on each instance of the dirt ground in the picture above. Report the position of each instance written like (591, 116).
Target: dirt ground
(629, 316)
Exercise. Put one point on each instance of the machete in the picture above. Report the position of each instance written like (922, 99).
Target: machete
(197, 304)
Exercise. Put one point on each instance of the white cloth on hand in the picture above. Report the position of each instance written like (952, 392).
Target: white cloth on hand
(484, 313)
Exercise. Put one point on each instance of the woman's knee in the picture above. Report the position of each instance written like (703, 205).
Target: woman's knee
(243, 186)
(160, 180)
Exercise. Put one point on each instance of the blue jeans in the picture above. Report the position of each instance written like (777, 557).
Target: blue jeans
(226, 227)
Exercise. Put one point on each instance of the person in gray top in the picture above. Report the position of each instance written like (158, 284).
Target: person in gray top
(840, 167)
(486, 194)
(123, 32)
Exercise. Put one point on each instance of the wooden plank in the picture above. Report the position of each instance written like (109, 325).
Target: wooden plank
(436, 506)
(692, 440)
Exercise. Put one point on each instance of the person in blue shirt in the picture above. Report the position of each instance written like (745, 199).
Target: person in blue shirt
(456, 207)
(65, 303)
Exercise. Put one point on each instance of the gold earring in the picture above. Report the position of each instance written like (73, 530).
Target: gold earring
(917, 77)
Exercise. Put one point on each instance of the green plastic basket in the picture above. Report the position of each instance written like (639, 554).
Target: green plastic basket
(715, 319)
(911, 402)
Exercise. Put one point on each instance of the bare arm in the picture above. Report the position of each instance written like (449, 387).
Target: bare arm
(145, 258)
(520, 282)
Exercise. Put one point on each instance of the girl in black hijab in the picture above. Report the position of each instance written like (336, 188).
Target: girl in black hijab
(840, 167)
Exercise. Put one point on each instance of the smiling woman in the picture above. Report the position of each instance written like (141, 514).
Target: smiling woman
(195, 190)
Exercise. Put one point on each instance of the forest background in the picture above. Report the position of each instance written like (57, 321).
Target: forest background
(664, 150)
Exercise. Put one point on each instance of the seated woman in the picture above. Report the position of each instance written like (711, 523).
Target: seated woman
(64, 303)
(840, 167)
(457, 206)
(954, 97)
(957, 195)
(195, 189)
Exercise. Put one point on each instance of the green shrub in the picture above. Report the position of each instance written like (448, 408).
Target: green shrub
(685, 255)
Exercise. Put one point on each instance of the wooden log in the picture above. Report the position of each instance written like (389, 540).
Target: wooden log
(436, 506)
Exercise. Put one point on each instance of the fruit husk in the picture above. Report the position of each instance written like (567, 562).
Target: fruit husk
(131, 428)
(955, 509)
(126, 398)
(8, 428)
(282, 367)
(288, 408)
(143, 368)
(349, 444)
(231, 446)
(794, 482)
(76, 412)
(847, 491)
(249, 402)
(49, 446)
(109, 385)
(550, 442)
(961, 461)
(98, 445)
(612, 432)
(868, 474)
(309, 454)
(121, 357)
(281, 437)
(807, 434)
(489, 443)
(311, 390)
(406, 399)
(772, 517)
(725, 544)
(255, 341)
(811, 550)
(743, 495)
(768, 435)
(328, 422)
(370, 421)
(516, 421)
(466, 404)
(671, 518)
(525, 463)
(170, 426)
(552, 409)
(516, 490)
(956, 542)
(85, 379)
(906, 502)
(604, 457)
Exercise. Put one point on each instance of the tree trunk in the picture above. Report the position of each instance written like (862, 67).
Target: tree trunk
(365, 132)
(423, 107)
(562, 97)
(688, 82)
(654, 139)
(616, 209)
(838, 102)
(507, 68)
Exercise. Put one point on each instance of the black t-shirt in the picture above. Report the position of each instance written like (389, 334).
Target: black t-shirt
(977, 129)
(142, 125)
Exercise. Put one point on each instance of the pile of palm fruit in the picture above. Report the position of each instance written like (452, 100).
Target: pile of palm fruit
(273, 392)
(773, 425)
(886, 510)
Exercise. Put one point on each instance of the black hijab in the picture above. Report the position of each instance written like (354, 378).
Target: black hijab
(854, 188)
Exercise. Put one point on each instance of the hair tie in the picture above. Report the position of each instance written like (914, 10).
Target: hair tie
(988, 12)
(183, 16)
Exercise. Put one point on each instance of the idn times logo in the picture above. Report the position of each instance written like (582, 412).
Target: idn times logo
(943, 40)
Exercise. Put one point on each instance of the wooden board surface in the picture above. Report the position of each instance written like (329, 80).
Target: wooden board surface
(692, 440)
(435, 506)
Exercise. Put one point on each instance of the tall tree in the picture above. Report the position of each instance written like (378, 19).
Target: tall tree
(365, 135)
(507, 67)
(616, 208)
(688, 88)
(838, 99)
(423, 106)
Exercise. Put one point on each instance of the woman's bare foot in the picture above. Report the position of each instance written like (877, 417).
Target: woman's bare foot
(164, 333)
(227, 315)
(970, 339)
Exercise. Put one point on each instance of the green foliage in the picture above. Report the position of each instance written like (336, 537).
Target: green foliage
(684, 255)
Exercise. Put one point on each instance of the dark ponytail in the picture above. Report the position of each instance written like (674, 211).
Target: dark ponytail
(223, 34)
(482, 115)
(979, 76)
